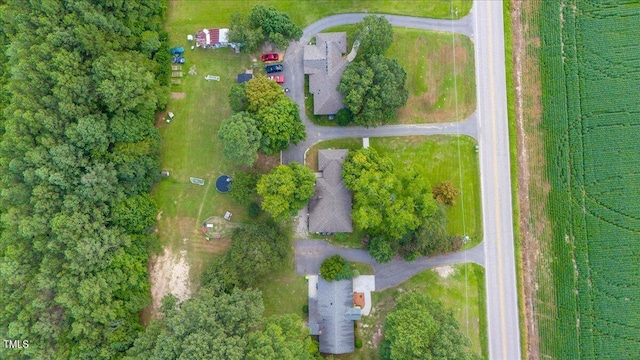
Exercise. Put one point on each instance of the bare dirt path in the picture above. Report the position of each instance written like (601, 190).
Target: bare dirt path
(169, 274)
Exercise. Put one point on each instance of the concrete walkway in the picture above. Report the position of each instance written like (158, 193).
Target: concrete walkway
(311, 253)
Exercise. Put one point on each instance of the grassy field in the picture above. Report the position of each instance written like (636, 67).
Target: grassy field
(440, 75)
(591, 83)
(460, 289)
(437, 159)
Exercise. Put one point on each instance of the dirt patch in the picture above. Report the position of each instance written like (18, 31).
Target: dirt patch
(265, 163)
(533, 187)
(178, 95)
(445, 271)
(169, 274)
(160, 118)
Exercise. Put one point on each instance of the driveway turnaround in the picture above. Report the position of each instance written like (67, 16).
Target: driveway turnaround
(488, 125)
(311, 253)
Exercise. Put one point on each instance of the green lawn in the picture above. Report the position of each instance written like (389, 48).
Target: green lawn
(462, 291)
(437, 158)
(217, 13)
(362, 268)
(440, 75)
(283, 291)
(190, 147)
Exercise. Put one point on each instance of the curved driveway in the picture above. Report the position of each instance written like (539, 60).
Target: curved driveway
(311, 253)
(488, 125)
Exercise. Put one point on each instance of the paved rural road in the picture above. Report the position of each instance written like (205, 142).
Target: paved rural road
(311, 253)
(488, 125)
(500, 268)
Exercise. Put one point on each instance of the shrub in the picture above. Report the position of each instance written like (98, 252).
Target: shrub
(335, 268)
(344, 117)
(305, 308)
(254, 210)
(358, 343)
(341, 237)
(446, 193)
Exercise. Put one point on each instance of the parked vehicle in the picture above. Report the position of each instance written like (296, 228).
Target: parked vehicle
(273, 68)
(270, 57)
(178, 59)
(277, 78)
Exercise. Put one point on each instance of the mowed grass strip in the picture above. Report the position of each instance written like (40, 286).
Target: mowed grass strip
(217, 13)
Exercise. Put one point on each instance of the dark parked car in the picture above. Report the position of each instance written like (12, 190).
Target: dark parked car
(273, 68)
(270, 57)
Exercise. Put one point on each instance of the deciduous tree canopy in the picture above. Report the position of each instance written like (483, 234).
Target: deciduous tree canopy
(223, 325)
(335, 268)
(240, 138)
(278, 116)
(263, 23)
(421, 328)
(255, 250)
(446, 193)
(375, 35)
(286, 189)
(373, 88)
(394, 207)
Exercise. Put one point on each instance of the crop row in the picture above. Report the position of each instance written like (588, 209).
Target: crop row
(590, 66)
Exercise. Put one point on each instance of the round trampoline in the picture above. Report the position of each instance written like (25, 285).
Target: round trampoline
(222, 183)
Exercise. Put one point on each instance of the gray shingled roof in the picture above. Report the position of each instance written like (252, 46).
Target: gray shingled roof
(335, 299)
(330, 206)
(324, 64)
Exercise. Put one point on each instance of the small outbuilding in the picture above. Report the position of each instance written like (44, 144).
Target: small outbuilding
(242, 78)
(212, 38)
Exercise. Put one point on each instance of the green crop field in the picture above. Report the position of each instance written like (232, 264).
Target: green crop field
(591, 84)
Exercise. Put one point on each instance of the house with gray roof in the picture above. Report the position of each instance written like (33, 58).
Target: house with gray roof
(331, 316)
(324, 63)
(330, 206)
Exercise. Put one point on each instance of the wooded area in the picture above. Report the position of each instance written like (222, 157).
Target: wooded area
(78, 155)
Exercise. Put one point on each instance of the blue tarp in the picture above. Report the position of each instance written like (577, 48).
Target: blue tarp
(177, 50)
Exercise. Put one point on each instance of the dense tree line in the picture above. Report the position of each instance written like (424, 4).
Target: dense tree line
(218, 324)
(395, 208)
(78, 155)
